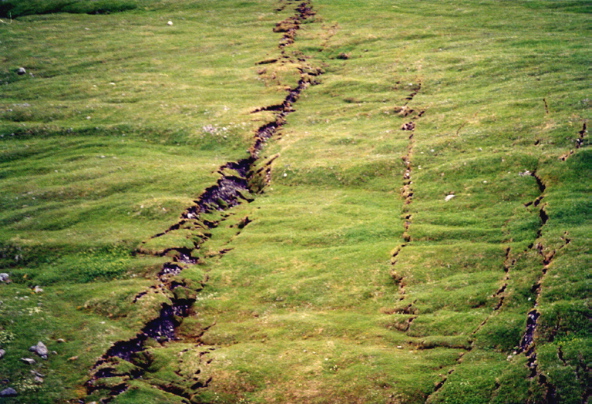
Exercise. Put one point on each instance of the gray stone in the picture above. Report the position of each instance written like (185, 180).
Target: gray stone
(9, 392)
(30, 361)
(20, 71)
(40, 349)
(4, 277)
(38, 380)
(2, 353)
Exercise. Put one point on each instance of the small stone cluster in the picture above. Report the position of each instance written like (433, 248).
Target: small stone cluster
(41, 350)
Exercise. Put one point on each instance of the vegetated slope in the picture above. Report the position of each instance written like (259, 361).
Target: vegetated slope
(354, 275)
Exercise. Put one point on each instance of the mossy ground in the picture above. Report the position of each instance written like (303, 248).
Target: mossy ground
(122, 120)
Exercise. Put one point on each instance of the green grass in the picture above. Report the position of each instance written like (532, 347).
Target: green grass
(122, 120)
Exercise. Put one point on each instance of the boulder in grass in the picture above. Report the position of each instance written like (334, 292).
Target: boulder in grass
(9, 392)
(4, 277)
(21, 71)
(2, 353)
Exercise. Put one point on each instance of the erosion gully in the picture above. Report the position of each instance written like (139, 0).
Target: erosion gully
(238, 183)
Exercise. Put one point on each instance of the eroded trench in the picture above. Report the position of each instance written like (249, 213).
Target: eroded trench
(239, 182)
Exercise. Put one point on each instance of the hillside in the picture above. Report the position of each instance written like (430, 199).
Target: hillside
(286, 201)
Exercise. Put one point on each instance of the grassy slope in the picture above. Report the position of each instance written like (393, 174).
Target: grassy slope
(305, 306)
(316, 321)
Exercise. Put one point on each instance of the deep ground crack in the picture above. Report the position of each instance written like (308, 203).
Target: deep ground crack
(527, 344)
(239, 182)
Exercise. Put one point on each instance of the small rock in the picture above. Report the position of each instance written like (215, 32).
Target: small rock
(9, 392)
(4, 277)
(169, 23)
(21, 71)
(38, 380)
(40, 349)
(449, 197)
(37, 289)
(36, 373)
(61, 340)
(2, 353)
(72, 358)
(30, 361)
(525, 173)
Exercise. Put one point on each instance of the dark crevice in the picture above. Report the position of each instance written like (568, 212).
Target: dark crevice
(528, 337)
(501, 290)
(174, 389)
(527, 344)
(579, 142)
(170, 268)
(125, 349)
(560, 355)
(139, 296)
(546, 106)
(267, 61)
(407, 195)
(411, 96)
(442, 382)
(277, 107)
(233, 188)
(581, 136)
(540, 184)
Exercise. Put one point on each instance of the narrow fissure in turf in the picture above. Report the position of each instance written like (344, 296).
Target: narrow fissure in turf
(239, 181)
(579, 142)
(406, 193)
(527, 344)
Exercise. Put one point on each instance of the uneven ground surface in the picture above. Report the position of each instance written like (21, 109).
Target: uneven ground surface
(296, 202)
